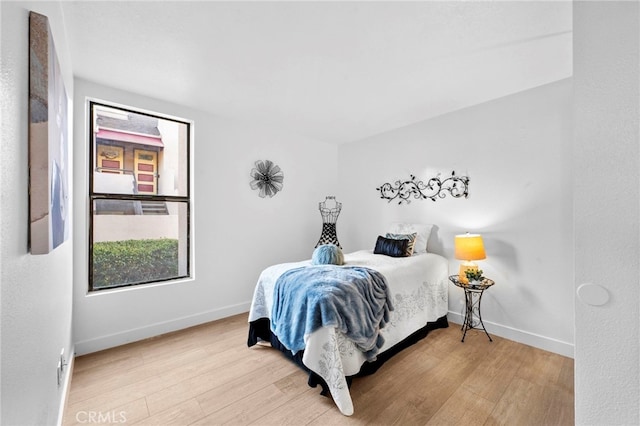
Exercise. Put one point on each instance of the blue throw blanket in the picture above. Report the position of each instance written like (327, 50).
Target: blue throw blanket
(353, 299)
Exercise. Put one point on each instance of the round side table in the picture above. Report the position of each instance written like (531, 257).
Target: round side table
(472, 296)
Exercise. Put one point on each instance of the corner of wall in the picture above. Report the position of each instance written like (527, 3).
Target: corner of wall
(521, 336)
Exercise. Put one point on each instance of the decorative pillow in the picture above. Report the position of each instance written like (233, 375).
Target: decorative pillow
(391, 247)
(423, 231)
(411, 238)
(327, 254)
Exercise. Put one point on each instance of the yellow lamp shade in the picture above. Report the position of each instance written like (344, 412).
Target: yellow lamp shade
(469, 247)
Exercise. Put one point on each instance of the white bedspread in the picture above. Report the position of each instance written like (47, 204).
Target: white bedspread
(418, 285)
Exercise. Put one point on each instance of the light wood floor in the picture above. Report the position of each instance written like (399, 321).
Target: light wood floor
(207, 375)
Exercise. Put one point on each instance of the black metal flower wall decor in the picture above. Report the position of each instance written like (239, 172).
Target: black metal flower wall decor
(267, 178)
(403, 191)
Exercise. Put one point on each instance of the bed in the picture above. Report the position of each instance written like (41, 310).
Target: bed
(416, 287)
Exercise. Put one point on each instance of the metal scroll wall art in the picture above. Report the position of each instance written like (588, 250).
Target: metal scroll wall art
(436, 187)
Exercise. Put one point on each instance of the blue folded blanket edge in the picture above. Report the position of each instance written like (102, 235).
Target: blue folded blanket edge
(353, 299)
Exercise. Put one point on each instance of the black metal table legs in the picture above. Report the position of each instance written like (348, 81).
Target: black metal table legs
(472, 316)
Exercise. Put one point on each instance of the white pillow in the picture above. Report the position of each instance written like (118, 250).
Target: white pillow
(422, 230)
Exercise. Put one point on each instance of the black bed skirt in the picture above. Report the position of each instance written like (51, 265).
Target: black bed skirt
(261, 330)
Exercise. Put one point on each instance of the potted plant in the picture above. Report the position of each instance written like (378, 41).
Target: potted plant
(474, 276)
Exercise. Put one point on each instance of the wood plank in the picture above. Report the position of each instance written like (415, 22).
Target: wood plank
(219, 377)
(301, 410)
(244, 386)
(529, 403)
(185, 413)
(494, 373)
(207, 375)
(463, 408)
(251, 407)
(127, 413)
(87, 387)
(541, 367)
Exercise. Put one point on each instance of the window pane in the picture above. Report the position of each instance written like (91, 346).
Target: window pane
(138, 242)
(138, 154)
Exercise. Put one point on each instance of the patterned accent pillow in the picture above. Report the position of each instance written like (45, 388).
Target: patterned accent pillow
(410, 237)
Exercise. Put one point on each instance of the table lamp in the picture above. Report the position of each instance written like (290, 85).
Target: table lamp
(468, 247)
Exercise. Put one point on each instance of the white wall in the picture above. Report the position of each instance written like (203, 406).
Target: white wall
(36, 290)
(516, 152)
(607, 207)
(236, 233)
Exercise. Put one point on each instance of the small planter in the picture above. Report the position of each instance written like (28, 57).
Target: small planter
(474, 276)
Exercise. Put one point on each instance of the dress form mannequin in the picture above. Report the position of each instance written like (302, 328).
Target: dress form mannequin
(329, 210)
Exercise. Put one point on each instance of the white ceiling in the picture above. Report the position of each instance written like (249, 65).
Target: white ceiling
(333, 71)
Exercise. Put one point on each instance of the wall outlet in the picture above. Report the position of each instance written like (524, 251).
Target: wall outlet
(63, 362)
(59, 373)
(60, 368)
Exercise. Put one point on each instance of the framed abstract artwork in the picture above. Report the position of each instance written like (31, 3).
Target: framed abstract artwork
(48, 142)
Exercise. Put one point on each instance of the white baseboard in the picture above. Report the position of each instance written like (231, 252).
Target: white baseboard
(66, 385)
(521, 336)
(132, 335)
(127, 336)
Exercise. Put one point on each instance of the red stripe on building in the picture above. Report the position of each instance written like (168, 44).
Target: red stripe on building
(114, 135)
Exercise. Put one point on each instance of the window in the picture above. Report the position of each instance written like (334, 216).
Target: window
(139, 195)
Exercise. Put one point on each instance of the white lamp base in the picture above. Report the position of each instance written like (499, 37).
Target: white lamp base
(466, 266)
